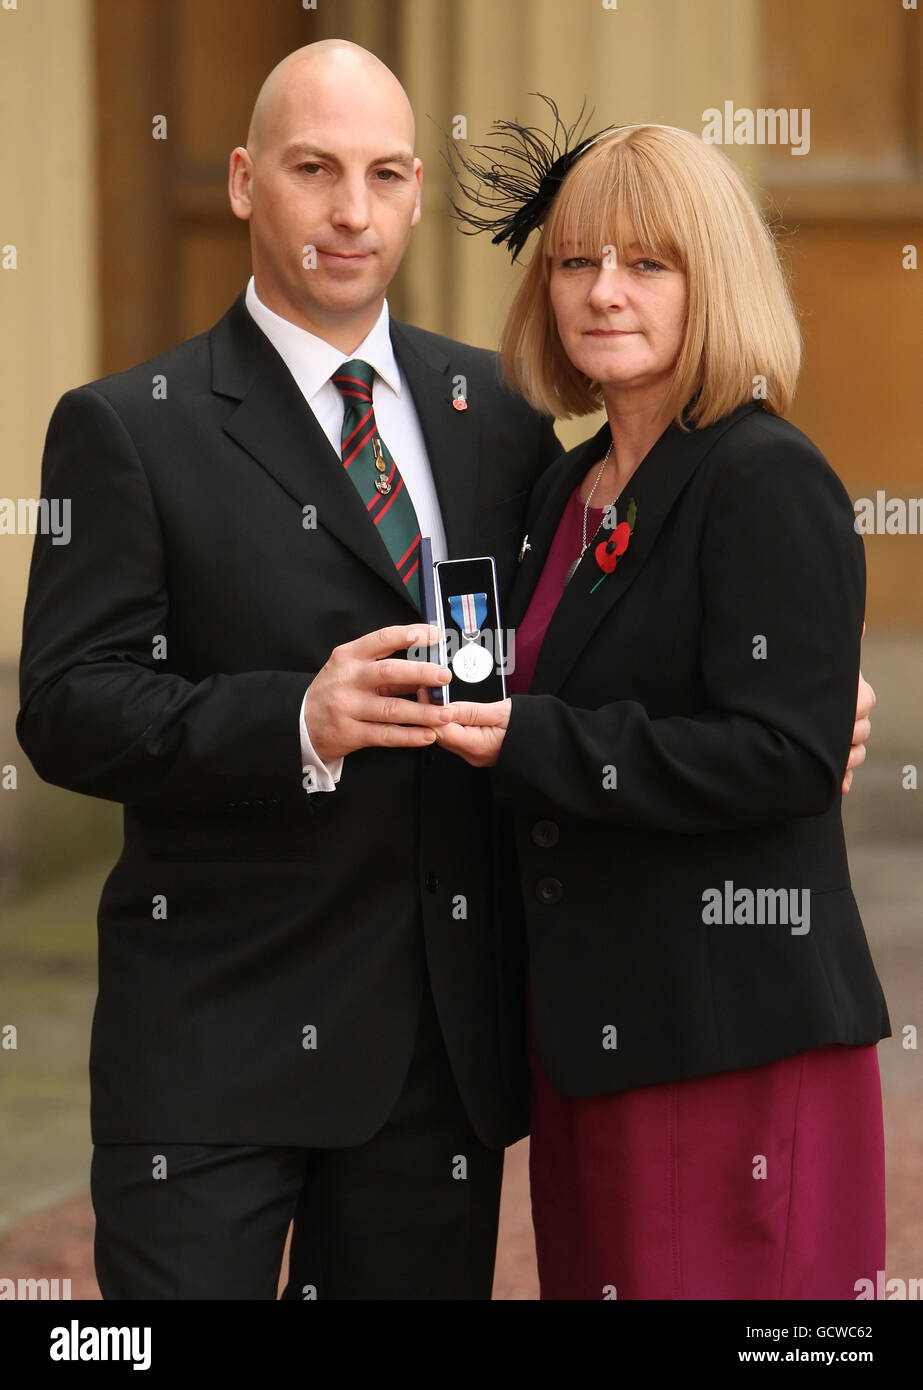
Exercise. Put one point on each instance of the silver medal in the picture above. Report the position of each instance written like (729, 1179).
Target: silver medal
(472, 663)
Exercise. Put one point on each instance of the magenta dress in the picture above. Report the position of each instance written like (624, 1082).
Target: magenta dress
(764, 1183)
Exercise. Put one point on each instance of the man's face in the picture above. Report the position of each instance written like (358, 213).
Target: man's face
(331, 192)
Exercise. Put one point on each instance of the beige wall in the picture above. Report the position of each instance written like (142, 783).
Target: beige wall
(661, 60)
(48, 305)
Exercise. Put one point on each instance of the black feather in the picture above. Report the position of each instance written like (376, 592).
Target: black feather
(514, 182)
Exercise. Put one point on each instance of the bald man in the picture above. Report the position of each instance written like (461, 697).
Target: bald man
(303, 1004)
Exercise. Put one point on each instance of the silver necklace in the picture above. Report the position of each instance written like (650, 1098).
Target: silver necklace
(572, 569)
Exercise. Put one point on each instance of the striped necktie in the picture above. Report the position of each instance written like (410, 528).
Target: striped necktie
(375, 474)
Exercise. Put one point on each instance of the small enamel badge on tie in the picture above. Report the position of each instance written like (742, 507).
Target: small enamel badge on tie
(381, 482)
(471, 663)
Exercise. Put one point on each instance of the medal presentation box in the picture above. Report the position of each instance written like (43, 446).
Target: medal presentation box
(468, 612)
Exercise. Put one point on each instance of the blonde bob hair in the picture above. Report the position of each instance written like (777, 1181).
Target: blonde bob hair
(683, 200)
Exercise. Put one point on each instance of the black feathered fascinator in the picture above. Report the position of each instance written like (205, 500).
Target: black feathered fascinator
(514, 180)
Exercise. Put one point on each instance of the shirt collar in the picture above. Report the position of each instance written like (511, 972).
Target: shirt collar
(311, 360)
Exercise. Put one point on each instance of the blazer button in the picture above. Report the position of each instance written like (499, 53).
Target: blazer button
(549, 890)
(432, 883)
(545, 834)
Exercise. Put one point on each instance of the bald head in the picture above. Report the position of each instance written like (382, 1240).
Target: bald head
(320, 79)
(330, 186)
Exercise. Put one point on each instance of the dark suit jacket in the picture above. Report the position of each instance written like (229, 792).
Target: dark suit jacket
(280, 912)
(727, 767)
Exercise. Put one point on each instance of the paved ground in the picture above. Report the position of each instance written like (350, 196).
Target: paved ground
(46, 1224)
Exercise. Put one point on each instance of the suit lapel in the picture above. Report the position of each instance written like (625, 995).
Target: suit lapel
(655, 486)
(452, 437)
(547, 503)
(279, 430)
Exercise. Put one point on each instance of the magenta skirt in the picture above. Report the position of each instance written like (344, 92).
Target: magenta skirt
(765, 1183)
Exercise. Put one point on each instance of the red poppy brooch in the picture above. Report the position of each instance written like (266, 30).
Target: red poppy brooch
(608, 551)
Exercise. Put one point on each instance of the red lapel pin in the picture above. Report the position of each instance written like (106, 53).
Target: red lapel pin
(608, 551)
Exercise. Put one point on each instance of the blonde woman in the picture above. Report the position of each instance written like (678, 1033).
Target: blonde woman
(707, 1107)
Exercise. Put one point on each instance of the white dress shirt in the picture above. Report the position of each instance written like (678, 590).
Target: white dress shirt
(312, 362)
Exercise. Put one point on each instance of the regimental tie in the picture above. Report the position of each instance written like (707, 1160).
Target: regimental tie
(375, 474)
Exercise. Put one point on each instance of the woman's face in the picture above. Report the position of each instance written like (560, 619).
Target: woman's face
(621, 322)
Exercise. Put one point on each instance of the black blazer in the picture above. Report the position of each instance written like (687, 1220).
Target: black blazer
(283, 912)
(726, 762)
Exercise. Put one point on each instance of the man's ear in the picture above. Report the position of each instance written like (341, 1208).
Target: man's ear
(240, 172)
(418, 175)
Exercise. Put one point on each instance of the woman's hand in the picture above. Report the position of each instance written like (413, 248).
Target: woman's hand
(863, 727)
(475, 732)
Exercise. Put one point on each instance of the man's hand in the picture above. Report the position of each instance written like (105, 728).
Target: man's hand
(358, 699)
(475, 732)
(863, 727)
